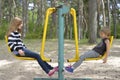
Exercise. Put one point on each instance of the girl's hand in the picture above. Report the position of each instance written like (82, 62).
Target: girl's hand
(21, 52)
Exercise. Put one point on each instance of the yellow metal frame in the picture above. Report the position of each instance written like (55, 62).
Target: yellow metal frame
(21, 58)
(101, 57)
(76, 57)
(48, 12)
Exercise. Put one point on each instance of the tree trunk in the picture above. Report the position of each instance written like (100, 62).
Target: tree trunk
(53, 29)
(0, 12)
(98, 17)
(10, 10)
(71, 32)
(108, 7)
(25, 17)
(103, 10)
(14, 7)
(71, 25)
(66, 32)
(39, 15)
(92, 21)
(44, 2)
(80, 19)
(114, 18)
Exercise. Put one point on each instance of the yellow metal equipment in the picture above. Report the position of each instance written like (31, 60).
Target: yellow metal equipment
(76, 57)
(48, 12)
(101, 57)
(17, 57)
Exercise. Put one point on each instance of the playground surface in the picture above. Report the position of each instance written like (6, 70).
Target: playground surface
(13, 69)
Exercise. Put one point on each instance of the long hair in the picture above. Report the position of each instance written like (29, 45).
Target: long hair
(14, 24)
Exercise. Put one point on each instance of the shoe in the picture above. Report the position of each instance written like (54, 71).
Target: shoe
(69, 69)
(56, 68)
(51, 72)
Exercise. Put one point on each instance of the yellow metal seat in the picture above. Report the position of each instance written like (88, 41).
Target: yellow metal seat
(17, 57)
(48, 13)
(101, 57)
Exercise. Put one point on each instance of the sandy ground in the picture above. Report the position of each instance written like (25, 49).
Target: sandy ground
(13, 69)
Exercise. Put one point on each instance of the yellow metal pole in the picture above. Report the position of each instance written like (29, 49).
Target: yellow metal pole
(76, 58)
(48, 12)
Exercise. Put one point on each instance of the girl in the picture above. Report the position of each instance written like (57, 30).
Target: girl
(98, 50)
(19, 49)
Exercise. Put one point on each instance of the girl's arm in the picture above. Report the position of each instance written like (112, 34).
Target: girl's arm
(107, 42)
(13, 46)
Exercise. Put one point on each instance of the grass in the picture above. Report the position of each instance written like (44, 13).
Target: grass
(27, 41)
(35, 44)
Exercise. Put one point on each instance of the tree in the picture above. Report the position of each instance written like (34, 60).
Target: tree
(92, 20)
(98, 16)
(39, 14)
(67, 21)
(103, 11)
(53, 27)
(25, 16)
(10, 12)
(80, 19)
(0, 12)
(108, 7)
(114, 17)
(86, 19)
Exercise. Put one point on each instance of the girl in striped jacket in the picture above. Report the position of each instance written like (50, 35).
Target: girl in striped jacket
(19, 49)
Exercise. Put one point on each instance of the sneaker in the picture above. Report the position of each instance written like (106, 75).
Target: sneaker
(56, 69)
(51, 72)
(69, 69)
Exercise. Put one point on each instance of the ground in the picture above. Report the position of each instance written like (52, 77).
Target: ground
(13, 69)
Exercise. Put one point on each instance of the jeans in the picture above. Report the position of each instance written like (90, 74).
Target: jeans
(89, 54)
(45, 66)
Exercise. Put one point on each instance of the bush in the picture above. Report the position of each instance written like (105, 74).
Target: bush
(117, 30)
(3, 30)
(34, 34)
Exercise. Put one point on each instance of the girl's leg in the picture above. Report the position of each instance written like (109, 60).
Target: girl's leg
(89, 54)
(48, 66)
(45, 66)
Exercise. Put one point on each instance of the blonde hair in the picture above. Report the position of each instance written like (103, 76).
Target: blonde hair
(106, 31)
(14, 24)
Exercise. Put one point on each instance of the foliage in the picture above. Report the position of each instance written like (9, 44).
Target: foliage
(34, 34)
(3, 29)
(117, 30)
(36, 17)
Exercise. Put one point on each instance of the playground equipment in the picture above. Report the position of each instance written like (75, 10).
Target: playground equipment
(62, 10)
(101, 57)
(48, 13)
(17, 57)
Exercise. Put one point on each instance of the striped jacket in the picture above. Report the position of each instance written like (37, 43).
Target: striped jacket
(14, 41)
